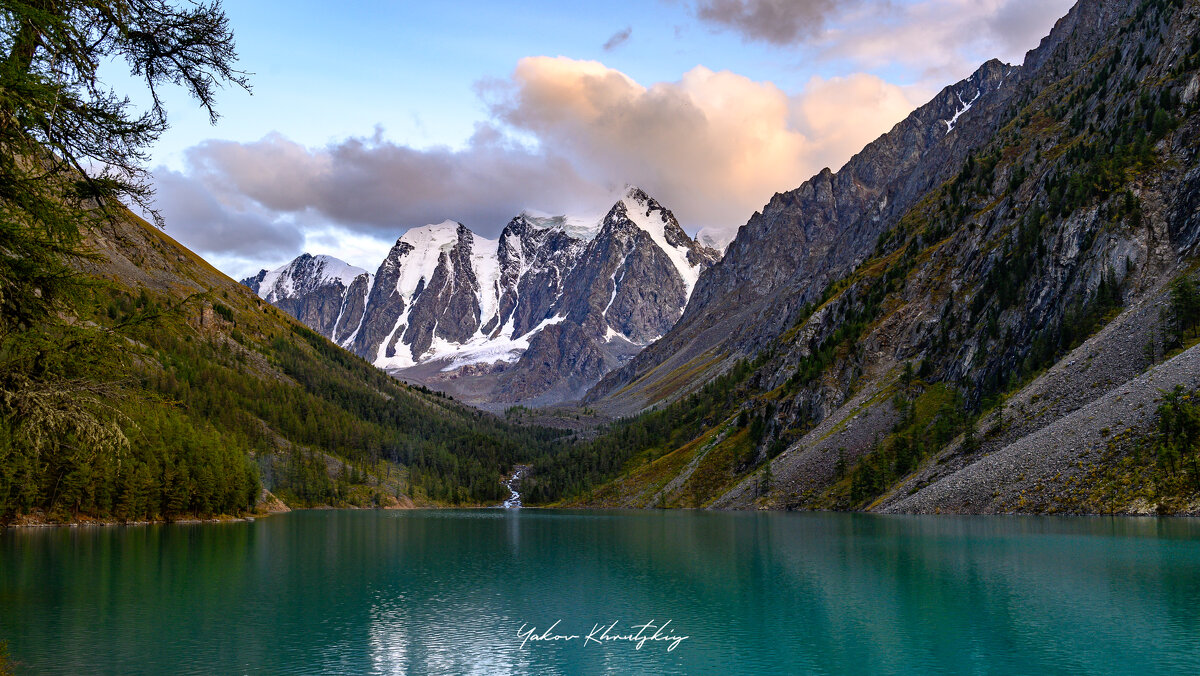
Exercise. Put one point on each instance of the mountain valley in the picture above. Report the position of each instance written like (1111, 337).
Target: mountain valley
(992, 308)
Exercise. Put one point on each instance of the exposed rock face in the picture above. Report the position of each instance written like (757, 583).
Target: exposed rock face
(624, 289)
(535, 257)
(784, 256)
(563, 360)
(537, 315)
(636, 275)
(354, 308)
(1012, 257)
(321, 291)
(382, 302)
(803, 239)
(447, 305)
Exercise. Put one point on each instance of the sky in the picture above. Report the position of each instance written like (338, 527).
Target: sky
(367, 118)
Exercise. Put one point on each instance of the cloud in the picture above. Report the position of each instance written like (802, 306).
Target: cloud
(841, 115)
(778, 22)
(201, 220)
(380, 188)
(713, 147)
(946, 39)
(619, 38)
(941, 39)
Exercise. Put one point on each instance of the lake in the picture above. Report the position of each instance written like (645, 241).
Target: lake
(448, 592)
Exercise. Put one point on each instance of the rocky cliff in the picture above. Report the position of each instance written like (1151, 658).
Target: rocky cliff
(972, 315)
(803, 239)
(321, 291)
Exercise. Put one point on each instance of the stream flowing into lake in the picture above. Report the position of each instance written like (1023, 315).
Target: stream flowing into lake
(511, 483)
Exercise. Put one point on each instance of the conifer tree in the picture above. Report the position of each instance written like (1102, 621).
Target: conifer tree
(72, 156)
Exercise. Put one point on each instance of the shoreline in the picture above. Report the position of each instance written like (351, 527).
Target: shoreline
(33, 523)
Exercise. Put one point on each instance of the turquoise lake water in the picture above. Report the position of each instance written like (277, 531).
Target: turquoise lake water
(447, 592)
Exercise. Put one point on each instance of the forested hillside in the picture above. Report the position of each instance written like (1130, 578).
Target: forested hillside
(992, 308)
(212, 393)
(195, 394)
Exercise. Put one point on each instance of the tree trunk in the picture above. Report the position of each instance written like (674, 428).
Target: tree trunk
(29, 38)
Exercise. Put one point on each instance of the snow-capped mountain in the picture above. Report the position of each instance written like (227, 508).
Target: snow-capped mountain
(538, 314)
(429, 297)
(321, 291)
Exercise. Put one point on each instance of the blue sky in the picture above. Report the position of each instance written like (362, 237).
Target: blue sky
(368, 118)
(323, 71)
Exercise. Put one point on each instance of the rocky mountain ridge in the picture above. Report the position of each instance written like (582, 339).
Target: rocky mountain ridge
(804, 239)
(977, 317)
(317, 291)
(537, 315)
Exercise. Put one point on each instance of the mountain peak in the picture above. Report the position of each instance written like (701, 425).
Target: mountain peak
(448, 225)
(576, 226)
(435, 235)
(716, 239)
(301, 275)
(641, 211)
(646, 213)
(635, 193)
(331, 268)
(447, 299)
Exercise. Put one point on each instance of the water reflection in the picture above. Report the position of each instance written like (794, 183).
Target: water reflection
(445, 592)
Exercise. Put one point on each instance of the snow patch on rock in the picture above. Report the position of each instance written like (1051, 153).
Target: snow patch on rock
(653, 221)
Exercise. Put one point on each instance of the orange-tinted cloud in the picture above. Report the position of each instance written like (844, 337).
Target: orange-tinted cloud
(714, 145)
(563, 136)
